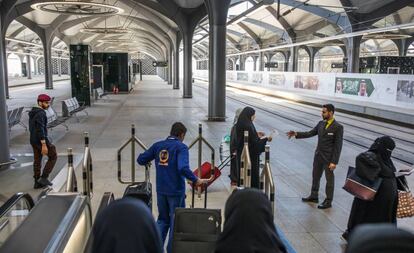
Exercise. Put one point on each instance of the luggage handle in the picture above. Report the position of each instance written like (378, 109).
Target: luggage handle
(212, 173)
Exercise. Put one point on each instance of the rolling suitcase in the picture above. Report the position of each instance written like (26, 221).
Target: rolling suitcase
(140, 190)
(196, 229)
(206, 171)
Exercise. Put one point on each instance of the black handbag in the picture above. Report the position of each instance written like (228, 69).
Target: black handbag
(359, 187)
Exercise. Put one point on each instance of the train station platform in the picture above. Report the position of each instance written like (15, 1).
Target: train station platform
(153, 106)
(24, 81)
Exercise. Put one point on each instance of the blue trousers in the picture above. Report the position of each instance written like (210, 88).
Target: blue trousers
(166, 209)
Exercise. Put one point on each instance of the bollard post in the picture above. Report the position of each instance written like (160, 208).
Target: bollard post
(133, 153)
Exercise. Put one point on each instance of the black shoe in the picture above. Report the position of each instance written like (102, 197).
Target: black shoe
(310, 199)
(325, 204)
(37, 185)
(44, 181)
(345, 235)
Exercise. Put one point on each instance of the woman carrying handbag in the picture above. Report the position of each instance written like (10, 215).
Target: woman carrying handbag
(376, 163)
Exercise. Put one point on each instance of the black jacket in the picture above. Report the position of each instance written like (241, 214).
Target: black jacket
(37, 126)
(329, 140)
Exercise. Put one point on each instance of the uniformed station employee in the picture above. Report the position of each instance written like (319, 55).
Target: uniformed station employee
(172, 168)
(327, 153)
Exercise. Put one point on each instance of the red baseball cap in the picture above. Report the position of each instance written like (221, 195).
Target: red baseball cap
(43, 98)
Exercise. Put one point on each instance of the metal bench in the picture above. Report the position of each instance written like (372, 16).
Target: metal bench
(71, 106)
(101, 94)
(14, 117)
(53, 120)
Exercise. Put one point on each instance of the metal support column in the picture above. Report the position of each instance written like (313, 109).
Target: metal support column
(352, 51)
(170, 66)
(293, 65)
(217, 10)
(28, 67)
(3, 56)
(176, 84)
(242, 61)
(188, 63)
(261, 61)
(140, 70)
(59, 66)
(47, 53)
(4, 125)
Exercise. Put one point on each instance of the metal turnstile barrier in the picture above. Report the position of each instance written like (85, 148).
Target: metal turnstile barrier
(245, 164)
(133, 140)
(266, 179)
(71, 182)
(87, 168)
(200, 140)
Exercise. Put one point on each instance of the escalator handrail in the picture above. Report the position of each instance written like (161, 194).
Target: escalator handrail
(107, 198)
(8, 205)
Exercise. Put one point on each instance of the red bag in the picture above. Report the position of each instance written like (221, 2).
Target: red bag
(206, 173)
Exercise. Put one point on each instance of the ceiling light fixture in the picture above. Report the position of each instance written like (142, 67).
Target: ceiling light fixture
(106, 30)
(77, 8)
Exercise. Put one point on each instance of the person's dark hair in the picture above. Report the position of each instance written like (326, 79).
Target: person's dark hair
(329, 107)
(178, 129)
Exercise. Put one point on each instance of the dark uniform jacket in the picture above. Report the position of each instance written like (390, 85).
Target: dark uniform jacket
(329, 140)
(38, 126)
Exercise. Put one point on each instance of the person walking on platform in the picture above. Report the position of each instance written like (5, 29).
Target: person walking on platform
(40, 142)
(257, 143)
(172, 167)
(370, 165)
(234, 170)
(327, 153)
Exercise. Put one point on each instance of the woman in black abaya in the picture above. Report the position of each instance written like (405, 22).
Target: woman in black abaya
(256, 143)
(126, 225)
(248, 225)
(383, 209)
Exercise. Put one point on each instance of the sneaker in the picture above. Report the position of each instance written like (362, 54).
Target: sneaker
(44, 181)
(37, 185)
(325, 204)
(310, 199)
(345, 235)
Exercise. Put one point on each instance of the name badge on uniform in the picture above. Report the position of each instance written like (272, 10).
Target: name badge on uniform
(330, 133)
(164, 156)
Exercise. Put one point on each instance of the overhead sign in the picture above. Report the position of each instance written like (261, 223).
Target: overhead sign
(337, 65)
(159, 64)
(271, 65)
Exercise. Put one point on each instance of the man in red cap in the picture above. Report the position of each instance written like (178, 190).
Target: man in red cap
(40, 143)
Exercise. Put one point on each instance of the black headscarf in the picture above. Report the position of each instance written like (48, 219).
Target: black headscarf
(245, 118)
(383, 147)
(249, 226)
(126, 225)
(380, 238)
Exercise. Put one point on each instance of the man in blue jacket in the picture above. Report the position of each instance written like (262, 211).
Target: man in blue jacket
(172, 168)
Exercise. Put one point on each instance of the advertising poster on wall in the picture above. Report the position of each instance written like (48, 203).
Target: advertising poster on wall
(242, 77)
(277, 79)
(230, 75)
(257, 78)
(362, 87)
(405, 91)
(306, 82)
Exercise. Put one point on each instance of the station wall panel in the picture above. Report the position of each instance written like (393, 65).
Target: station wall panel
(392, 90)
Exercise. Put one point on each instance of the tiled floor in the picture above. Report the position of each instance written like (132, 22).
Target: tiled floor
(153, 106)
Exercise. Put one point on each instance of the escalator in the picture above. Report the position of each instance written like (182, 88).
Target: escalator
(59, 222)
(12, 213)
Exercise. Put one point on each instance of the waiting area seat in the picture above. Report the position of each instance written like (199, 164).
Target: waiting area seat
(53, 120)
(71, 106)
(101, 94)
(14, 117)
